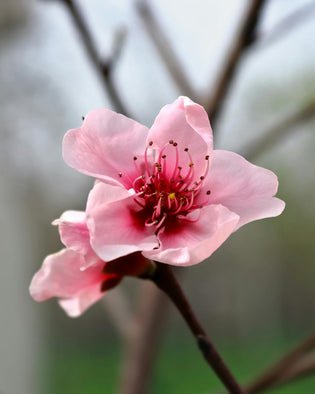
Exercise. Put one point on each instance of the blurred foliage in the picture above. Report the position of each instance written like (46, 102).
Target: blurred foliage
(93, 369)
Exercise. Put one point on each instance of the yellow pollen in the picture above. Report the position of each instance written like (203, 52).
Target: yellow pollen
(172, 196)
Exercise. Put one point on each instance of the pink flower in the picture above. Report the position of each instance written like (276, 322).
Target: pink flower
(76, 274)
(165, 192)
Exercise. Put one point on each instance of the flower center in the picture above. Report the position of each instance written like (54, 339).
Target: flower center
(169, 191)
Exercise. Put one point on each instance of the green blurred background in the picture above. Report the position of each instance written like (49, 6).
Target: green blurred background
(255, 297)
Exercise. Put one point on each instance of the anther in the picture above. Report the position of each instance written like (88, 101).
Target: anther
(201, 206)
(179, 167)
(135, 158)
(186, 149)
(151, 143)
(191, 164)
(175, 144)
(207, 157)
(208, 192)
(143, 176)
(171, 142)
(83, 117)
(120, 174)
(202, 178)
(186, 190)
(163, 156)
(172, 180)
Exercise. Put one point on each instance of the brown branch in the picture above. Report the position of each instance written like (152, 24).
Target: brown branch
(286, 24)
(302, 369)
(119, 309)
(242, 40)
(166, 281)
(281, 368)
(275, 134)
(164, 48)
(141, 347)
(104, 69)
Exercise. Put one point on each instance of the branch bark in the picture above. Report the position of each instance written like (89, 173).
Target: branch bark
(242, 40)
(276, 133)
(103, 68)
(164, 48)
(286, 24)
(141, 346)
(166, 281)
(281, 370)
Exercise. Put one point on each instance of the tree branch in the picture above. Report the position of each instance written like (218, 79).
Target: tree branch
(163, 46)
(104, 69)
(242, 40)
(276, 133)
(302, 369)
(286, 24)
(282, 368)
(166, 281)
(142, 345)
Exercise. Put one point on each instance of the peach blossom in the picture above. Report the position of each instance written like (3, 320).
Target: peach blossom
(164, 191)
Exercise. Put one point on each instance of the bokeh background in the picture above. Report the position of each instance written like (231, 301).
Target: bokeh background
(255, 296)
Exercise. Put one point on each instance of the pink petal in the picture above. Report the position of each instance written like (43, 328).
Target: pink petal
(185, 243)
(243, 188)
(187, 124)
(75, 235)
(104, 146)
(75, 306)
(116, 223)
(73, 231)
(61, 276)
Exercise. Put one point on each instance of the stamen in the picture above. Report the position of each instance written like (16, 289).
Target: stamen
(161, 221)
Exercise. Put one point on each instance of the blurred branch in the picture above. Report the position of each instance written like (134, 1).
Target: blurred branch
(141, 347)
(302, 369)
(281, 371)
(104, 68)
(286, 24)
(116, 304)
(164, 48)
(242, 40)
(276, 133)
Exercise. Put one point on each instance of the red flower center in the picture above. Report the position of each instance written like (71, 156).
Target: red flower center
(168, 192)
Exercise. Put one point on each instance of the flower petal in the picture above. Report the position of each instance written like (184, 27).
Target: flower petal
(75, 235)
(242, 187)
(75, 306)
(116, 223)
(61, 276)
(187, 243)
(104, 146)
(187, 124)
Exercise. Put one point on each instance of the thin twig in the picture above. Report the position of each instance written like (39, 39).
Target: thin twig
(119, 309)
(141, 347)
(103, 68)
(166, 281)
(275, 134)
(242, 40)
(165, 49)
(277, 371)
(286, 24)
(302, 369)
